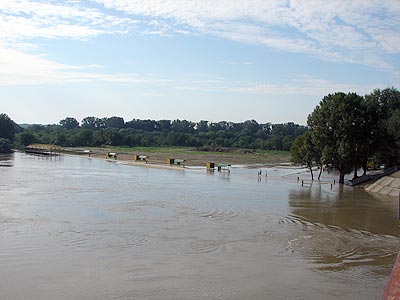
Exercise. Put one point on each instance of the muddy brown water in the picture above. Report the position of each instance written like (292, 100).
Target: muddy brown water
(80, 228)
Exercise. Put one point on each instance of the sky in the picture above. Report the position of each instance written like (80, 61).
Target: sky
(271, 61)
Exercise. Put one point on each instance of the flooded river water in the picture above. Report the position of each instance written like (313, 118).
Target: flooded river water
(79, 228)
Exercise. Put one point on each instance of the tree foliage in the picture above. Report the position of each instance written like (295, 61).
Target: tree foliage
(384, 104)
(338, 124)
(347, 130)
(69, 123)
(114, 131)
(8, 128)
(306, 152)
(24, 139)
(5, 145)
(93, 123)
(393, 130)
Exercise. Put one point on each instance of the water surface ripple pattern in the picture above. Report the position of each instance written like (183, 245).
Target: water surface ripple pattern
(78, 228)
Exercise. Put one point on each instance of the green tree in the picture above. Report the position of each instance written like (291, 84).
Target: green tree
(5, 145)
(337, 124)
(7, 127)
(250, 127)
(93, 123)
(383, 105)
(112, 137)
(98, 138)
(69, 123)
(182, 126)
(164, 125)
(25, 138)
(84, 137)
(114, 122)
(393, 130)
(202, 126)
(305, 152)
(60, 138)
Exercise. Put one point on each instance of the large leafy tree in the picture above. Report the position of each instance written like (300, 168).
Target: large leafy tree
(202, 126)
(301, 154)
(7, 127)
(384, 104)
(5, 145)
(69, 123)
(306, 152)
(338, 124)
(93, 123)
(25, 138)
(114, 122)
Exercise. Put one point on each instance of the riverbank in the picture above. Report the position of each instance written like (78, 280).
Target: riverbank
(157, 156)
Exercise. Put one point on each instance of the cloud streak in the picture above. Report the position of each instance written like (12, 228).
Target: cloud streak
(17, 68)
(363, 32)
(346, 31)
(24, 20)
(303, 85)
(299, 85)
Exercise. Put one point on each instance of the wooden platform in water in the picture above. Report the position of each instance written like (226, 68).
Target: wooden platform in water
(41, 152)
(43, 149)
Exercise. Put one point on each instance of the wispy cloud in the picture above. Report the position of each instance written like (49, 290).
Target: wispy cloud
(17, 68)
(300, 84)
(363, 32)
(347, 31)
(24, 20)
(241, 63)
(303, 85)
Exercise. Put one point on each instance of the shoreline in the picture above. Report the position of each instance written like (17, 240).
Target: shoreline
(158, 158)
(173, 167)
(127, 162)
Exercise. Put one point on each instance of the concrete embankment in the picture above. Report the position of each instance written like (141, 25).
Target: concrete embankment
(388, 185)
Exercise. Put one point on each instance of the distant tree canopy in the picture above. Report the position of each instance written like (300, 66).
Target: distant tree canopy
(347, 130)
(114, 131)
(69, 123)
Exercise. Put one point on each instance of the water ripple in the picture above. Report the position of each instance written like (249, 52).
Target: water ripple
(335, 248)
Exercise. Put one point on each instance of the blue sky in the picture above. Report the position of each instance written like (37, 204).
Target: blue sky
(271, 61)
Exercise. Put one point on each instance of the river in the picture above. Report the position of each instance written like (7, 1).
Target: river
(80, 228)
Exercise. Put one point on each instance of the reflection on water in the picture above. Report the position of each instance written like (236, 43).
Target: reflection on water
(345, 207)
(79, 228)
(349, 227)
(6, 160)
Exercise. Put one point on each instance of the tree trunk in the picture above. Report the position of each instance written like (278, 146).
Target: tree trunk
(341, 178)
(355, 172)
(365, 167)
(312, 174)
(320, 172)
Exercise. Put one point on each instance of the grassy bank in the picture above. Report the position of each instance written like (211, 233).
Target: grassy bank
(198, 158)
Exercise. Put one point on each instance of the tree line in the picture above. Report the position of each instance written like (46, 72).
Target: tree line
(345, 132)
(114, 131)
(348, 131)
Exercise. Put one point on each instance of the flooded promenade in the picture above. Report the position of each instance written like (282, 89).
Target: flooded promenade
(81, 228)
